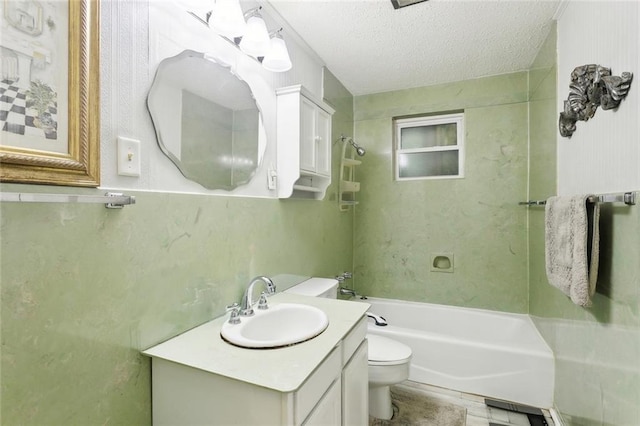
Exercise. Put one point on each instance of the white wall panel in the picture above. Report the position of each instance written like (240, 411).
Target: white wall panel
(603, 155)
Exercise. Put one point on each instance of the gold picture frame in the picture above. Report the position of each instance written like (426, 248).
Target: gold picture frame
(76, 160)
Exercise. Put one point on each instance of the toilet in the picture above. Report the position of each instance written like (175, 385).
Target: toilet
(388, 359)
(388, 365)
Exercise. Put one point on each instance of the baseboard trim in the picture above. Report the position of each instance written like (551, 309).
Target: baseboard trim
(556, 417)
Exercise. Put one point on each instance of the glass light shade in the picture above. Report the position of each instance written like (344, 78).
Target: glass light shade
(277, 58)
(255, 41)
(227, 19)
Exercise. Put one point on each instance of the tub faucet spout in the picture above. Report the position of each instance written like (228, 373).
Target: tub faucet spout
(246, 305)
(380, 321)
(347, 291)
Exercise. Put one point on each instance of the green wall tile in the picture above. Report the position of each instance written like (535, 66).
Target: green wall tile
(84, 288)
(477, 218)
(495, 90)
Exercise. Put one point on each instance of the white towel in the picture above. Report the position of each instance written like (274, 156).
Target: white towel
(572, 246)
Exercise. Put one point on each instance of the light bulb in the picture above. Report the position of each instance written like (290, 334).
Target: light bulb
(255, 41)
(227, 19)
(277, 58)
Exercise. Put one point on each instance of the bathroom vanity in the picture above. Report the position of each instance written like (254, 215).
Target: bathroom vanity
(198, 378)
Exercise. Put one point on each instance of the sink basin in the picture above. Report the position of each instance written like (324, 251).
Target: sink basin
(280, 325)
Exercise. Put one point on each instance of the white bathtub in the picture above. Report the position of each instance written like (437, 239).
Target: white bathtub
(494, 354)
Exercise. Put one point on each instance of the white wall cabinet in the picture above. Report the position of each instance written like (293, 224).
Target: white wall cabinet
(304, 144)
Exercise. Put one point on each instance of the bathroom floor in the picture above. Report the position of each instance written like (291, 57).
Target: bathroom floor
(477, 412)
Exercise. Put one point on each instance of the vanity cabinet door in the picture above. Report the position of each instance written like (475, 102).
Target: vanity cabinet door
(355, 389)
(329, 409)
(307, 397)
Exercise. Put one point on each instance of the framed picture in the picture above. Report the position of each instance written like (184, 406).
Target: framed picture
(49, 92)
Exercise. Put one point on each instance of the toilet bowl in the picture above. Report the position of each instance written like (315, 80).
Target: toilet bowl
(388, 365)
(388, 359)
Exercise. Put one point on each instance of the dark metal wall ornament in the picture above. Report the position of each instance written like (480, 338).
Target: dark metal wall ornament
(592, 86)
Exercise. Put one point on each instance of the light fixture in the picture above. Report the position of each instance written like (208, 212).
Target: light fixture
(255, 41)
(250, 36)
(227, 19)
(277, 57)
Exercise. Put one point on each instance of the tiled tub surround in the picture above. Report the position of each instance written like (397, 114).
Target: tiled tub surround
(399, 225)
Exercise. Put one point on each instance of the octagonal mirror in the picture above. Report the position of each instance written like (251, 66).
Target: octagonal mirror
(207, 121)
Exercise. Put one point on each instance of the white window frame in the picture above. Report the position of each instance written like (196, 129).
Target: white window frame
(424, 121)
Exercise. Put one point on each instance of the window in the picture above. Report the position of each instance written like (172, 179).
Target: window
(430, 147)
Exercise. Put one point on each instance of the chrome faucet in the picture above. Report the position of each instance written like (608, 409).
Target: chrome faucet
(343, 290)
(246, 305)
(347, 291)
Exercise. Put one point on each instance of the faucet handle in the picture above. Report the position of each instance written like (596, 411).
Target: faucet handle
(347, 275)
(262, 303)
(234, 318)
(234, 308)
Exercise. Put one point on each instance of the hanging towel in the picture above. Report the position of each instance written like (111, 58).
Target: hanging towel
(572, 246)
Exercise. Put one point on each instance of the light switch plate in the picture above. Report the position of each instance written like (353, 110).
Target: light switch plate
(128, 156)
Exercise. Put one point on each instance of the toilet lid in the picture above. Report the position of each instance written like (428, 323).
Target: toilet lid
(383, 350)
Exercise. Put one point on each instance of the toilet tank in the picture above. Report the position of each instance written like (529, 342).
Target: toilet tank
(317, 287)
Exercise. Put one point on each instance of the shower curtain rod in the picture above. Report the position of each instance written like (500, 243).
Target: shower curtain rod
(629, 198)
(111, 200)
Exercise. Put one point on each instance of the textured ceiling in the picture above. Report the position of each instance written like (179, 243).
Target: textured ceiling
(371, 47)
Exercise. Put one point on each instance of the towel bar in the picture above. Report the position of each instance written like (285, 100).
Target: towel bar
(629, 198)
(111, 200)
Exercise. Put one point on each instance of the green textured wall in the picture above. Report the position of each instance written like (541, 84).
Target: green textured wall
(543, 163)
(398, 225)
(85, 288)
(597, 350)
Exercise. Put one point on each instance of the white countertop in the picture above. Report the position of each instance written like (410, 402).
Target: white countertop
(281, 369)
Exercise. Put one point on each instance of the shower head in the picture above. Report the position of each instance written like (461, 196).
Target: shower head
(359, 150)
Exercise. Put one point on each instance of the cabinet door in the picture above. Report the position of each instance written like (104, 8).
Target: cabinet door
(329, 409)
(355, 389)
(323, 143)
(308, 136)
